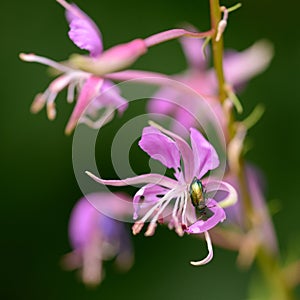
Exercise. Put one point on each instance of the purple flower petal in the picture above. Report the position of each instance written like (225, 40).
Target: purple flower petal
(146, 178)
(89, 91)
(205, 156)
(213, 186)
(185, 150)
(239, 67)
(163, 101)
(193, 53)
(83, 223)
(217, 217)
(268, 235)
(160, 147)
(147, 195)
(83, 31)
(109, 98)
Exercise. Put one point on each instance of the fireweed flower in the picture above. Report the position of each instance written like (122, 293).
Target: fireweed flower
(170, 200)
(88, 75)
(96, 237)
(239, 67)
(98, 90)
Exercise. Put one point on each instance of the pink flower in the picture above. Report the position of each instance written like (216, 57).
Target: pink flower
(96, 237)
(182, 202)
(263, 232)
(239, 67)
(87, 76)
(91, 89)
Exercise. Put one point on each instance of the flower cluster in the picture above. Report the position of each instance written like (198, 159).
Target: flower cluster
(188, 193)
(192, 200)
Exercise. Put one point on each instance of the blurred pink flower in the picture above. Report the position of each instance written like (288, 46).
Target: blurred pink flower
(239, 67)
(96, 237)
(263, 232)
(169, 200)
(90, 89)
(88, 75)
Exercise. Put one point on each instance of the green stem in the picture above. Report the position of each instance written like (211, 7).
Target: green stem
(269, 266)
(267, 262)
(217, 47)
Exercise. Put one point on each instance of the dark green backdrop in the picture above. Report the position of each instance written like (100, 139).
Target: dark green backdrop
(38, 185)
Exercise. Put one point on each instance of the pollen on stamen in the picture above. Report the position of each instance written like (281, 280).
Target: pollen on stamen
(137, 227)
(151, 229)
(38, 103)
(51, 111)
(27, 57)
(179, 230)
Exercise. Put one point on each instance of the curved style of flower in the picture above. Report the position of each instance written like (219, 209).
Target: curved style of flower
(96, 237)
(88, 75)
(239, 67)
(182, 202)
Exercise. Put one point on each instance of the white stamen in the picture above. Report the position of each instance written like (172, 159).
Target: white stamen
(51, 111)
(45, 61)
(60, 83)
(183, 217)
(151, 229)
(167, 196)
(175, 209)
(210, 255)
(137, 227)
(38, 103)
(71, 92)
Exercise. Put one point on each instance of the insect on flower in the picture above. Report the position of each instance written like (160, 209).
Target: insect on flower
(178, 202)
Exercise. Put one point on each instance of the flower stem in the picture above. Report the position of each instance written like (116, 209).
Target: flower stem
(217, 47)
(267, 262)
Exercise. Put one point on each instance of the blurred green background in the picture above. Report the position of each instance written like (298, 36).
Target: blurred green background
(38, 185)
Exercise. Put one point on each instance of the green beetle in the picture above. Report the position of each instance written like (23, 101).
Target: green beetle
(197, 195)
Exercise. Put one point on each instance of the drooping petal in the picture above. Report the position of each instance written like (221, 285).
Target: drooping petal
(205, 156)
(147, 178)
(242, 66)
(146, 196)
(160, 147)
(83, 31)
(205, 225)
(212, 186)
(89, 91)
